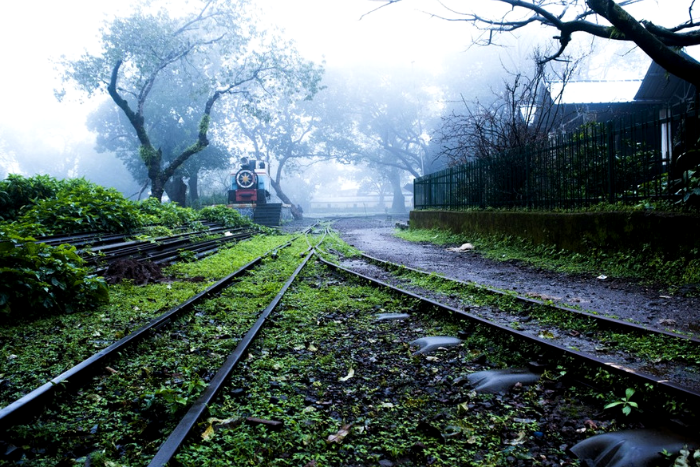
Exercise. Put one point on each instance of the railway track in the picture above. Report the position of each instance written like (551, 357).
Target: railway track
(653, 356)
(346, 369)
(102, 250)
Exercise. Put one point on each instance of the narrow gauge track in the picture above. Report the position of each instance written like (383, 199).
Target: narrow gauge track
(615, 362)
(35, 402)
(605, 321)
(194, 417)
(163, 251)
(103, 238)
(100, 250)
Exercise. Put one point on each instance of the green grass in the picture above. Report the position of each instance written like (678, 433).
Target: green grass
(646, 266)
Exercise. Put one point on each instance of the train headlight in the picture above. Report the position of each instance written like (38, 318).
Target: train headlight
(245, 178)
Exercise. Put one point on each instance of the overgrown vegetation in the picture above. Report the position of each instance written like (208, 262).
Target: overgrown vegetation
(41, 279)
(646, 265)
(348, 389)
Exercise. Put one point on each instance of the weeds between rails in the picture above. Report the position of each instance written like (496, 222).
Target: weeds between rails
(399, 406)
(156, 380)
(675, 399)
(346, 390)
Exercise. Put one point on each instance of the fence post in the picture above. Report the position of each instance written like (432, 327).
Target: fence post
(611, 162)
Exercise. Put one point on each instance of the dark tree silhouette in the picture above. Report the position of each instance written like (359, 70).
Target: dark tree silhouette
(605, 19)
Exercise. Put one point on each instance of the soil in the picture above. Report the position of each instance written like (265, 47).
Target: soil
(620, 298)
(130, 269)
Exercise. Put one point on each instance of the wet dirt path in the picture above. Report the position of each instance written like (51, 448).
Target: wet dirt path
(611, 297)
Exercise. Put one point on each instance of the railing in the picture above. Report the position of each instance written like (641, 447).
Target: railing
(614, 161)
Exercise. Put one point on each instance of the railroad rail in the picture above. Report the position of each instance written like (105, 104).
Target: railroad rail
(617, 367)
(33, 402)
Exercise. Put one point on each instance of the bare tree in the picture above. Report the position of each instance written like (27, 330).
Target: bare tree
(523, 112)
(605, 19)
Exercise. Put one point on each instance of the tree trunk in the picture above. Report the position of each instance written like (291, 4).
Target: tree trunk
(157, 188)
(398, 206)
(177, 191)
(296, 210)
(194, 190)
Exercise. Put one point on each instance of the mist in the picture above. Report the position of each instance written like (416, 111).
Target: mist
(390, 76)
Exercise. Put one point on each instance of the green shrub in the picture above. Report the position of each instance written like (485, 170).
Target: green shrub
(82, 206)
(225, 216)
(17, 191)
(38, 279)
(168, 214)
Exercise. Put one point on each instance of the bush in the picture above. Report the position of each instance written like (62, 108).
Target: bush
(82, 206)
(17, 192)
(225, 216)
(168, 214)
(37, 279)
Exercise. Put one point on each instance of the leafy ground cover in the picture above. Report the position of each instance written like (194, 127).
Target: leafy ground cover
(656, 348)
(34, 351)
(36, 278)
(348, 390)
(639, 265)
(652, 354)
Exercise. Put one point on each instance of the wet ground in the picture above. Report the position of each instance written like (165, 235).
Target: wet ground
(619, 298)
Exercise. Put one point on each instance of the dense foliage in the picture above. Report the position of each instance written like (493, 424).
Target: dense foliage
(170, 215)
(81, 206)
(36, 278)
(224, 216)
(17, 192)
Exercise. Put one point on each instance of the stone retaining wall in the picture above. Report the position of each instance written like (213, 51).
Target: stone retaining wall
(671, 234)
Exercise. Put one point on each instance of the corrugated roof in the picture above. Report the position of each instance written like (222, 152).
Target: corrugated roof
(660, 86)
(596, 92)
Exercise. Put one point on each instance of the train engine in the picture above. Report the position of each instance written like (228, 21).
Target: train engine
(250, 185)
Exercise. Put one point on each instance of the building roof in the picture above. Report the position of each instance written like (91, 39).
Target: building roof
(596, 91)
(660, 86)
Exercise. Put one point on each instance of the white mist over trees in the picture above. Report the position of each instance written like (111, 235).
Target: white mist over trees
(192, 86)
(216, 49)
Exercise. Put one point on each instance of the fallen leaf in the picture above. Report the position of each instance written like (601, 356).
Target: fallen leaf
(311, 348)
(208, 433)
(463, 407)
(351, 373)
(519, 440)
(342, 433)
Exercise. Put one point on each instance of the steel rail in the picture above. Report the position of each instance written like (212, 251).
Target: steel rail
(32, 402)
(173, 443)
(613, 367)
(170, 253)
(611, 322)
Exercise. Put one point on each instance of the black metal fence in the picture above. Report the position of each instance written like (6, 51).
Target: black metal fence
(620, 160)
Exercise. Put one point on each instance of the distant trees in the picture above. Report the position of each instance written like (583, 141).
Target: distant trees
(606, 19)
(146, 56)
(388, 121)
